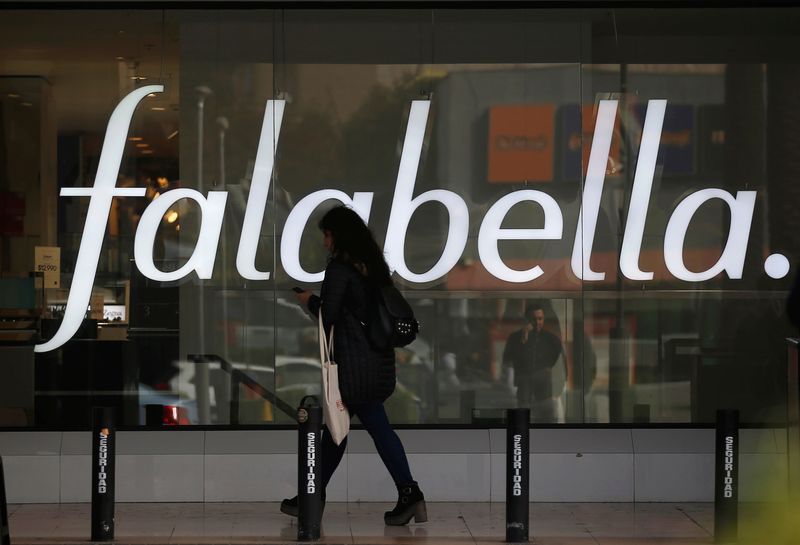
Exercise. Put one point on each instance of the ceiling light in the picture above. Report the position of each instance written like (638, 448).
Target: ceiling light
(158, 108)
(143, 145)
(172, 135)
(147, 151)
(172, 216)
(135, 139)
(27, 104)
(13, 95)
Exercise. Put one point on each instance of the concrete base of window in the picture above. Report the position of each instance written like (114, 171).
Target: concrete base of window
(567, 465)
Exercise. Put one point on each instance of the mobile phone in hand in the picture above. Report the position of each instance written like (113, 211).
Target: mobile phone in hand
(298, 290)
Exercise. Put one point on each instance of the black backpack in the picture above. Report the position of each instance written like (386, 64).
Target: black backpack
(390, 319)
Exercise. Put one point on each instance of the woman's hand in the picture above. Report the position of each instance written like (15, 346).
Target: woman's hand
(303, 298)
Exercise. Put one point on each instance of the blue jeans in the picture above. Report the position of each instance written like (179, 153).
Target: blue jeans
(373, 416)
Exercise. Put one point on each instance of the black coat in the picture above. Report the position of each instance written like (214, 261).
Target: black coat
(365, 374)
(533, 360)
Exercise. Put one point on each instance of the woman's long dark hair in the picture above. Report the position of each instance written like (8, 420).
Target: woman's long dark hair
(353, 243)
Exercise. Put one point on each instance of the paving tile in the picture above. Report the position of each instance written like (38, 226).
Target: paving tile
(361, 523)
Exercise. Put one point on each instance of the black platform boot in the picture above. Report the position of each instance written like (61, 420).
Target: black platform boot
(290, 506)
(410, 503)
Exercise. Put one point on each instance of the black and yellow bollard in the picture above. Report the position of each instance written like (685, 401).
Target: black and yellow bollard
(103, 441)
(517, 475)
(309, 470)
(726, 477)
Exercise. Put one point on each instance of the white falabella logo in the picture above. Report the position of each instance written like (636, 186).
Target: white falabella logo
(404, 204)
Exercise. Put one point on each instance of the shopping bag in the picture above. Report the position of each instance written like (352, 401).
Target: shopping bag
(336, 414)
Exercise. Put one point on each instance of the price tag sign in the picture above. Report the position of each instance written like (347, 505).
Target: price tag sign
(47, 260)
(96, 306)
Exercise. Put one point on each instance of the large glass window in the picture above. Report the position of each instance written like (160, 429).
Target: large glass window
(591, 211)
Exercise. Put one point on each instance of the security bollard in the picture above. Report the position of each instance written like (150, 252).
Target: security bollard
(103, 438)
(726, 481)
(5, 536)
(517, 472)
(309, 470)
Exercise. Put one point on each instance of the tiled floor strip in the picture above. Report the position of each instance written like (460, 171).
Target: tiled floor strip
(362, 524)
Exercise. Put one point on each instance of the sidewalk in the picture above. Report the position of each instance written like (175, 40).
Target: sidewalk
(362, 523)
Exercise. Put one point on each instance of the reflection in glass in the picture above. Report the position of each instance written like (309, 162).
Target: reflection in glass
(514, 112)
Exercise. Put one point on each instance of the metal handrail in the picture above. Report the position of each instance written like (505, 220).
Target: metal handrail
(239, 377)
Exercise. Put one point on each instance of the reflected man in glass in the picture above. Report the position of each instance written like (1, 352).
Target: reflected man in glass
(532, 352)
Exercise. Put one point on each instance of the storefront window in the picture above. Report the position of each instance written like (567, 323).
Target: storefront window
(617, 191)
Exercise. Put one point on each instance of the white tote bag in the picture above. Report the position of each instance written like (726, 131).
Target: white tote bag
(336, 414)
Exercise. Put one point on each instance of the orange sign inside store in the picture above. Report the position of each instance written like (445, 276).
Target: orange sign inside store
(521, 143)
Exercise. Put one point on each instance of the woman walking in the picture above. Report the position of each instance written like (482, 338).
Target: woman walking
(356, 268)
